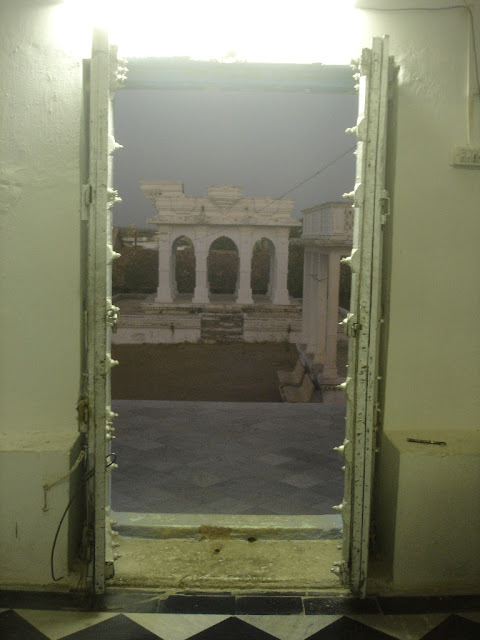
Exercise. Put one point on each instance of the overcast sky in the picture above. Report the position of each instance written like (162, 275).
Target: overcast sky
(264, 142)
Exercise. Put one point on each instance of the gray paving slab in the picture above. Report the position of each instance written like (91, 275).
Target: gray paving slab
(227, 457)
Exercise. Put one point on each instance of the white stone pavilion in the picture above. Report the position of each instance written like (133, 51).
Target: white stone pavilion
(223, 212)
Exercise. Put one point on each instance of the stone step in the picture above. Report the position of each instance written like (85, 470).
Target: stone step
(222, 323)
(218, 326)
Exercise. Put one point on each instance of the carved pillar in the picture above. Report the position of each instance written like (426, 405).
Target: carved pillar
(271, 270)
(321, 317)
(173, 266)
(307, 296)
(164, 291)
(319, 307)
(280, 291)
(313, 301)
(200, 295)
(330, 368)
(244, 293)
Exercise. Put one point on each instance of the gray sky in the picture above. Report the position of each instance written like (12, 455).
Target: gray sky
(263, 142)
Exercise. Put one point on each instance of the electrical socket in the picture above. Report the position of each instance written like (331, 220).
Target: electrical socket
(466, 157)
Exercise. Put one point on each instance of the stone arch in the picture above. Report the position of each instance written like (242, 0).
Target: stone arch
(263, 266)
(183, 265)
(223, 266)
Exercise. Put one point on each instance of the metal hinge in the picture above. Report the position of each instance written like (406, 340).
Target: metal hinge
(340, 569)
(87, 199)
(350, 325)
(384, 207)
(83, 413)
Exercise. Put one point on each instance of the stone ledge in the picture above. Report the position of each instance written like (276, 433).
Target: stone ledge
(186, 525)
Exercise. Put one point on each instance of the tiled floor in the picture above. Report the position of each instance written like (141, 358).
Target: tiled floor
(227, 457)
(143, 616)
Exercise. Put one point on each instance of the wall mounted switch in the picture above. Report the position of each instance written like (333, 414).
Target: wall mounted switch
(466, 157)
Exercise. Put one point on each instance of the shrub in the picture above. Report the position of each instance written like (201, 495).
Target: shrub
(136, 271)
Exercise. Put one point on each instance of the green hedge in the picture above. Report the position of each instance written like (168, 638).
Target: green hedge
(136, 271)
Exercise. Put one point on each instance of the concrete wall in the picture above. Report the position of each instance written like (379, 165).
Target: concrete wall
(40, 283)
(431, 373)
(432, 378)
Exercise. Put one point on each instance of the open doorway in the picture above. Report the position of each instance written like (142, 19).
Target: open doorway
(220, 440)
(362, 322)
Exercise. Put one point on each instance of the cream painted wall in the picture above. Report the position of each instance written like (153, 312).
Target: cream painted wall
(432, 379)
(433, 375)
(426, 526)
(41, 87)
(41, 167)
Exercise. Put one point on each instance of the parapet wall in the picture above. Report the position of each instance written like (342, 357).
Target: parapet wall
(159, 324)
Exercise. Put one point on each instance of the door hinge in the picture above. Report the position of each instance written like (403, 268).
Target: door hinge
(87, 199)
(350, 325)
(340, 570)
(83, 413)
(384, 207)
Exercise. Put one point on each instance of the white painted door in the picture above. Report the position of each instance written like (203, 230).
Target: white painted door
(363, 323)
(105, 77)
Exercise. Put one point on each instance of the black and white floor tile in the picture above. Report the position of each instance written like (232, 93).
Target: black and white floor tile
(340, 618)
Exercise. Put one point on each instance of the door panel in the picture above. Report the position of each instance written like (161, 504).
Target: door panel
(105, 76)
(363, 323)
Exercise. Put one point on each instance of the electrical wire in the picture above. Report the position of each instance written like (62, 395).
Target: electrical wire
(386, 9)
(297, 186)
(474, 46)
(70, 502)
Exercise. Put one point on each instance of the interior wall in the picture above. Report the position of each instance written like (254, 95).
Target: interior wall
(431, 377)
(40, 285)
(40, 223)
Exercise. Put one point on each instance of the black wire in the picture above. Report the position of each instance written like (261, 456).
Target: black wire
(453, 6)
(297, 186)
(111, 461)
(71, 501)
(474, 46)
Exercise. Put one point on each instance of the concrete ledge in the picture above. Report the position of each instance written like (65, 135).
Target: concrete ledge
(215, 526)
(29, 515)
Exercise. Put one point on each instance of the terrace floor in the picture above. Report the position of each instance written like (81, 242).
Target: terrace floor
(262, 458)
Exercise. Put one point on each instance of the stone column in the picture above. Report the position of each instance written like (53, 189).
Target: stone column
(321, 320)
(271, 270)
(330, 368)
(200, 295)
(280, 291)
(164, 291)
(319, 307)
(173, 279)
(244, 293)
(313, 301)
(307, 296)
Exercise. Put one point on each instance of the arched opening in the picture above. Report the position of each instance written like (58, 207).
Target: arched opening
(222, 266)
(183, 266)
(263, 261)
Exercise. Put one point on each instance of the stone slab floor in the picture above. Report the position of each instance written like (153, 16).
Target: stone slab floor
(227, 457)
